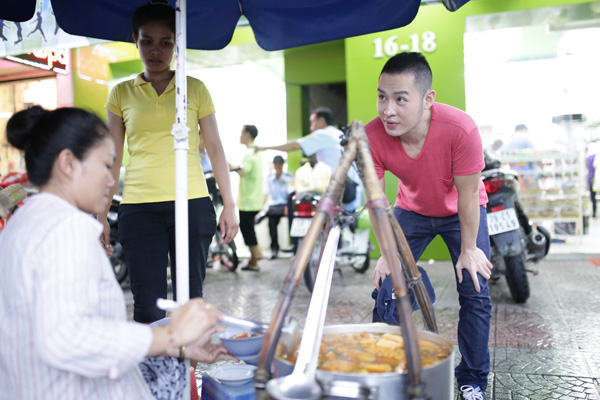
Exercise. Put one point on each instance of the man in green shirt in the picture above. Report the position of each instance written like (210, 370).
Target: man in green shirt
(250, 196)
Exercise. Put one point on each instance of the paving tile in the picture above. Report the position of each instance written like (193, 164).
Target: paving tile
(540, 361)
(593, 362)
(543, 387)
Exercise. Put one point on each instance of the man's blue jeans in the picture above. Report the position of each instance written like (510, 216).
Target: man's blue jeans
(475, 308)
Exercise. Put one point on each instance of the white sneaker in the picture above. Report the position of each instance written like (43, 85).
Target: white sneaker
(468, 392)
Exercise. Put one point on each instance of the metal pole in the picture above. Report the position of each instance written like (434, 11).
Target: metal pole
(181, 145)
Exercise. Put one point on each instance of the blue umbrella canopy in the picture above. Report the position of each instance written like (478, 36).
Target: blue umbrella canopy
(277, 24)
(17, 10)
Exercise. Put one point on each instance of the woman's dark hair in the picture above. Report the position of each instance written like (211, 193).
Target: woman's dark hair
(43, 134)
(155, 11)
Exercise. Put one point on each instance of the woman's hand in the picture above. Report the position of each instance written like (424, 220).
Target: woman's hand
(207, 352)
(228, 223)
(192, 320)
(105, 236)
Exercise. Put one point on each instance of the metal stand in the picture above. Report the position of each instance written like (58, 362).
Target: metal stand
(394, 249)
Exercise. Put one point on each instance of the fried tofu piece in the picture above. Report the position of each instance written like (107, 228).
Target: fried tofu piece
(338, 365)
(391, 341)
(376, 367)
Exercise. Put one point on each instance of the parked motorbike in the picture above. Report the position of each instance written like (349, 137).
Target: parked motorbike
(218, 251)
(13, 190)
(117, 259)
(354, 247)
(515, 243)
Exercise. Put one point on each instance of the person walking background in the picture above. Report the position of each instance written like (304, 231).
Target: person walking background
(250, 196)
(143, 110)
(436, 153)
(277, 188)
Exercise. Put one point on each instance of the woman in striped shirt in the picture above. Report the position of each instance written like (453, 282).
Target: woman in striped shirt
(64, 331)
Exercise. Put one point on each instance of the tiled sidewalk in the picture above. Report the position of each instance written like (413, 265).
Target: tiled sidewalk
(548, 348)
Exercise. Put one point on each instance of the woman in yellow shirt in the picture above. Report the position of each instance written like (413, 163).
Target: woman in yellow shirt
(143, 111)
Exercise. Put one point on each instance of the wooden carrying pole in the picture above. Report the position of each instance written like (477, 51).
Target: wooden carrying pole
(377, 201)
(320, 224)
(394, 249)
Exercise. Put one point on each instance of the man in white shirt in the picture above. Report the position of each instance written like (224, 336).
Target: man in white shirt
(324, 143)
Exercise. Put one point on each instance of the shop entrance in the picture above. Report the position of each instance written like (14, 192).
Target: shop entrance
(531, 87)
(15, 96)
(331, 95)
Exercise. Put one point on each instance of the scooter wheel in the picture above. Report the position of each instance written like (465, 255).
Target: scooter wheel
(516, 277)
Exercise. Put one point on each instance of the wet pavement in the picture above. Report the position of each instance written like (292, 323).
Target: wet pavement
(547, 348)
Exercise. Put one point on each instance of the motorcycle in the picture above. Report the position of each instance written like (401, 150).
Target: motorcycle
(515, 243)
(13, 190)
(354, 246)
(218, 251)
(117, 259)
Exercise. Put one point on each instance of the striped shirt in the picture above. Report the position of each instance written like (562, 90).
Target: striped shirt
(64, 332)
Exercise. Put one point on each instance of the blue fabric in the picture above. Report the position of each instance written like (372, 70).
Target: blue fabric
(19, 11)
(385, 305)
(475, 312)
(277, 24)
(165, 377)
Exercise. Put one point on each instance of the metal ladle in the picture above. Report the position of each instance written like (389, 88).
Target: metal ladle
(302, 384)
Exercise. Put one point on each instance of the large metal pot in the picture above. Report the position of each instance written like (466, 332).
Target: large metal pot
(438, 379)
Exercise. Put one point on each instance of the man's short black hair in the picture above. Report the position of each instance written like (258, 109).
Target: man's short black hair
(521, 128)
(278, 160)
(252, 131)
(324, 112)
(412, 62)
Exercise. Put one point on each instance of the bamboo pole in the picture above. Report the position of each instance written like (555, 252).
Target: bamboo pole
(404, 251)
(394, 249)
(326, 207)
(377, 201)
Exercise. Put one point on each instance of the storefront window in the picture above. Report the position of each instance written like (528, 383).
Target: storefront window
(534, 67)
(15, 96)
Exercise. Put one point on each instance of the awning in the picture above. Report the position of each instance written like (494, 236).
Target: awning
(277, 24)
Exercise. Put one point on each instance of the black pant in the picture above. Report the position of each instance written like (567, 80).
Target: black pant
(593, 199)
(275, 213)
(147, 234)
(247, 227)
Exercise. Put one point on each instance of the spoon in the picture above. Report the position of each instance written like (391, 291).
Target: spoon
(228, 320)
(302, 384)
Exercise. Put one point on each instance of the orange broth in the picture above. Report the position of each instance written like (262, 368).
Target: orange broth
(370, 353)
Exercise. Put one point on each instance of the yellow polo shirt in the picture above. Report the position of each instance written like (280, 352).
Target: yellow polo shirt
(148, 119)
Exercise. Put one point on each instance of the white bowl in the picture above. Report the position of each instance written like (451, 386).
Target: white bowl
(233, 374)
(251, 360)
(240, 347)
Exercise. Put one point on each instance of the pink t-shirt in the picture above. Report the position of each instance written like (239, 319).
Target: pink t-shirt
(426, 183)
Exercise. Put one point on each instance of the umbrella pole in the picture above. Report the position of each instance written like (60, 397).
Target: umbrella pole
(181, 146)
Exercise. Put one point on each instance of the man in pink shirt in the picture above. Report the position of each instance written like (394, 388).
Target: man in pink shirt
(435, 151)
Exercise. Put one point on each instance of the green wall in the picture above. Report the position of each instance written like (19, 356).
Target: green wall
(309, 65)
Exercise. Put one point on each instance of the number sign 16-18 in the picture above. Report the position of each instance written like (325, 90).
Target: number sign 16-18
(425, 42)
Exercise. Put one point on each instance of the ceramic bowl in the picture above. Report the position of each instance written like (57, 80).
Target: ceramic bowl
(243, 347)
